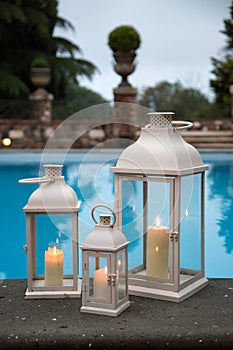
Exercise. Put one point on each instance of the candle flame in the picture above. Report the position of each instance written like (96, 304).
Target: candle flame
(106, 270)
(158, 221)
(186, 212)
(54, 251)
(157, 249)
(119, 263)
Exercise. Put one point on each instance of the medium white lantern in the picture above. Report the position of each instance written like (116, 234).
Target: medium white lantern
(159, 204)
(105, 269)
(49, 254)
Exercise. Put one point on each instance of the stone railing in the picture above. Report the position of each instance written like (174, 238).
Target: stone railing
(33, 134)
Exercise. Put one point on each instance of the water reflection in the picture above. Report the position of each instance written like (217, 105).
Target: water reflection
(93, 183)
(220, 183)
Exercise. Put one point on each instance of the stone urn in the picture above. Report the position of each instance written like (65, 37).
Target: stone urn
(124, 41)
(40, 72)
(41, 99)
(40, 77)
(124, 65)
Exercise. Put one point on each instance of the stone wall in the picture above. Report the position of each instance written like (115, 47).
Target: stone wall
(33, 134)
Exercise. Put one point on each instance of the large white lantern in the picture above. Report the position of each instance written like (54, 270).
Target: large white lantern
(105, 269)
(159, 204)
(52, 256)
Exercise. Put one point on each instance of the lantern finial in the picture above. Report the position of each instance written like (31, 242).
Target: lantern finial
(160, 119)
(53, 171)
(105, 219)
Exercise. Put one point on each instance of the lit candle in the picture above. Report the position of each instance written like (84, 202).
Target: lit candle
(54, 267)
(157, 251)
(100, 283)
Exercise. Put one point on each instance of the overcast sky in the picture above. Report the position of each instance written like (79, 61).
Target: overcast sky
(178, 39)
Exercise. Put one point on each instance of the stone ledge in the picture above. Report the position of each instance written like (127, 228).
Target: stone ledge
(202, 321)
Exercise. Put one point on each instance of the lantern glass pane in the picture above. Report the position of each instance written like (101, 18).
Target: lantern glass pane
(158, 202)
(132, 221)
(99, 268)
(157, 248)
(146, 219)
(53, 247)
(190, 226)
(120, 275)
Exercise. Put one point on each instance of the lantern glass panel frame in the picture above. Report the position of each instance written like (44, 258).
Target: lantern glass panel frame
(191, 228)
(121, 275)
(152, 189)
(98, 270)
(105, 276)
(50, 236)
(178, 278)
(71, 284)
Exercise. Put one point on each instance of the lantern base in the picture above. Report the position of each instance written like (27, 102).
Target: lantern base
(168, 295)
(54, 294)
(106, 312)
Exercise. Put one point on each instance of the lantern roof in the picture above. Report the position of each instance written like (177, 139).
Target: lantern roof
(105, 237)
(53, 194)
(160, 150)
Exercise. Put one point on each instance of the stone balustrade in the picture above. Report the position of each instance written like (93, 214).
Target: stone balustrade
(34, 134)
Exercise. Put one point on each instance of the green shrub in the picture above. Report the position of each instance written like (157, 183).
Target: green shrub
(39, 62)
(124, 39)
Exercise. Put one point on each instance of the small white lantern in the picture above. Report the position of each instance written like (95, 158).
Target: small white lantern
(105, 269)
(47, 258)
(159, 202)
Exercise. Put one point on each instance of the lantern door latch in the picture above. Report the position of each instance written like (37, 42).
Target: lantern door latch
(85, 265)
(112, 279)
(174, 236)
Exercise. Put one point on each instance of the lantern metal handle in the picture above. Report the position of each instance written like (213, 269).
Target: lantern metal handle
(186, 125)
(104, 206)
(35, 180)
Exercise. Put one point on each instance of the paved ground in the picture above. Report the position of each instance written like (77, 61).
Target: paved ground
(204, 320)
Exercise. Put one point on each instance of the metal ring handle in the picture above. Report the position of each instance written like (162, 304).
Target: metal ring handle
(35, 180)
(105, 206)
(186, 125)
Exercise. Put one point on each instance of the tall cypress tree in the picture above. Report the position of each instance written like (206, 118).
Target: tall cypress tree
(223, 69)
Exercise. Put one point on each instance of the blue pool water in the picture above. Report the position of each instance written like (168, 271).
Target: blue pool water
(88, 174)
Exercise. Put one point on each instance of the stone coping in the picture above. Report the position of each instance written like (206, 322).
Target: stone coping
(203, 321)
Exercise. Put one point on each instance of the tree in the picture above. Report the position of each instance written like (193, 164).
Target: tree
(223, 69)
(188, 103)
(79, 98)
(26, 31)
(158, 97)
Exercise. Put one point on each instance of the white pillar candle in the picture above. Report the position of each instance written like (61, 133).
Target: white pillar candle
(157, 251)
(100, 283)
(54, 259)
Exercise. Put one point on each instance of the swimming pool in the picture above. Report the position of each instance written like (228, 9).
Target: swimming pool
(88, 174)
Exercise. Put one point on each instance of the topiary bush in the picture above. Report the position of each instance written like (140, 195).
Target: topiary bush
(39, 62)
(124, 38)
